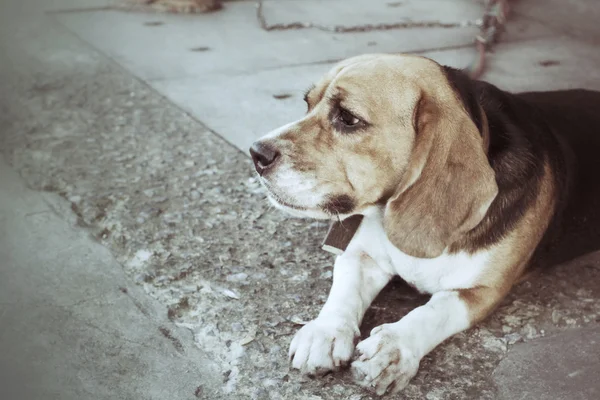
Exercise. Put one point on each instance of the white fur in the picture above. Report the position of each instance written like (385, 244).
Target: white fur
(279, 131)
(328, 341)
(323, 345)
(431, 275)
(293, 187)
(390, 356)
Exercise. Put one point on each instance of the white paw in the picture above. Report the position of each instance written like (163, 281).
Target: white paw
(323, 345)
(384, 364)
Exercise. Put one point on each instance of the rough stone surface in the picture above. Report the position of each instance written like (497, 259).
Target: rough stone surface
(72, 325)
(561, 367)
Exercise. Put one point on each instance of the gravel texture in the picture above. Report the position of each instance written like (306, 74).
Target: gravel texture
(182, 212)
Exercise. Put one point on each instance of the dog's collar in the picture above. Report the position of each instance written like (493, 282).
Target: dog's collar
(341, 233)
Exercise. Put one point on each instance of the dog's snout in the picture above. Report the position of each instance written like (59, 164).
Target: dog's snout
(264, 156)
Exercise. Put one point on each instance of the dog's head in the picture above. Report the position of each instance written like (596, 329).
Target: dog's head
(383, 129)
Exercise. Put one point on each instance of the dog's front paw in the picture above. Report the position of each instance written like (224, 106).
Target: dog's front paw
(384, 363)
(323, 345)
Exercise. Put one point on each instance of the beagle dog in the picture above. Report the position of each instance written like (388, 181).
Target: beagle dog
(458, 184)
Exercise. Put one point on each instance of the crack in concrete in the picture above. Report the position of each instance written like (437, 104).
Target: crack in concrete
(80, 10)
(166, 332)
(33, 214)
(82, 301)
(113, 334)
(355, 28)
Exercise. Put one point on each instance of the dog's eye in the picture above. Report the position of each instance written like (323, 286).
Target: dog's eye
(346, 118)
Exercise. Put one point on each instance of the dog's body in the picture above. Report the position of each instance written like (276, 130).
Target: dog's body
(459, 184)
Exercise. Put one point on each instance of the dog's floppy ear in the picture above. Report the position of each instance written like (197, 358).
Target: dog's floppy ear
(448, 185)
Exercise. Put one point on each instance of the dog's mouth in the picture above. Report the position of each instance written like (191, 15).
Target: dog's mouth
(284, 203)
(279, 199)
(332, 207)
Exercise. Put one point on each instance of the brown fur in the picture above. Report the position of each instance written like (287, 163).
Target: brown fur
(367, 165)
(449, 185)
(512, 256)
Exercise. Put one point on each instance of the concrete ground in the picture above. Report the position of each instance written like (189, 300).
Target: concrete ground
(137, 258)
(72, 326)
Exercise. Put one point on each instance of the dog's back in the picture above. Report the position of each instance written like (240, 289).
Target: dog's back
(574, 117)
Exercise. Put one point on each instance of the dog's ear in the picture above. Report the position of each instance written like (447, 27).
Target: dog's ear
(448, 185)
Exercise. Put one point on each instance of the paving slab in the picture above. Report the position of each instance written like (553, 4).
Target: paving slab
(561, 367)
(558, 62)
(577, 18)
(356, 14)
(243, 81)
(243, 107)
(232, 42)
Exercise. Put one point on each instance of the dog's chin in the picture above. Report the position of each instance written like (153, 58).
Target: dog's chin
(331, 207)
(297, 211)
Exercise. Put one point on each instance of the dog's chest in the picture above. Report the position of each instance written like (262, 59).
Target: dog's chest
(446, 272)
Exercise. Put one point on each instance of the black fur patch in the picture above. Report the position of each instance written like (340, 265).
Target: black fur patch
(572, 116)
(527, 129)
(519, 144)
(341, 204)
(462, 85)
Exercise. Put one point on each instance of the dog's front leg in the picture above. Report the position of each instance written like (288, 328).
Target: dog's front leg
(390, 357)
(327, 342)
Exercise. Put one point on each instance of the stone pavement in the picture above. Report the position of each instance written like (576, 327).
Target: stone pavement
(72, 325)
(212, 63)
(110, 119)
(561, 367)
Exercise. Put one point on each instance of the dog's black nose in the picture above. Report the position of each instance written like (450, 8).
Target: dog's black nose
(264, 156)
